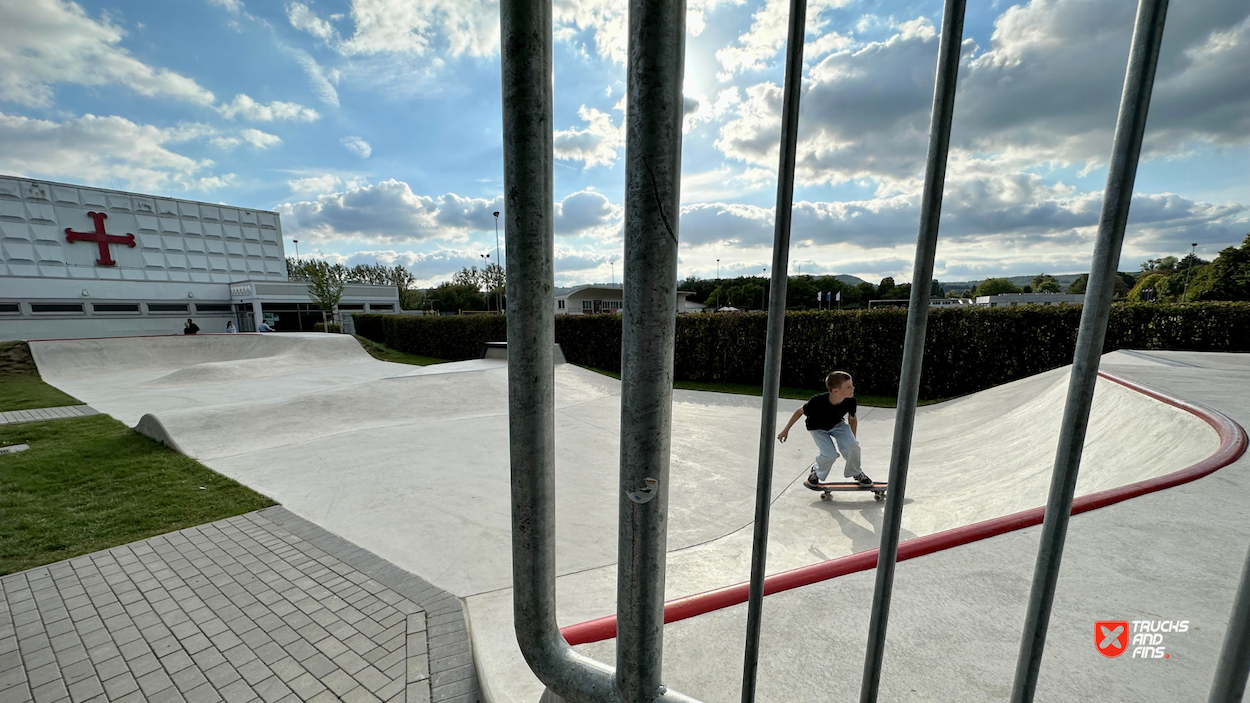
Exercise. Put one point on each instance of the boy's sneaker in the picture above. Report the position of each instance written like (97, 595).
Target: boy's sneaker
(811, 478)
(862, 480)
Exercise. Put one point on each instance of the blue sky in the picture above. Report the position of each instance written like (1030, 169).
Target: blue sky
(373, 126)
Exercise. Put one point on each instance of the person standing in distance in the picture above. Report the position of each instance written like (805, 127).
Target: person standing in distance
(834, 436)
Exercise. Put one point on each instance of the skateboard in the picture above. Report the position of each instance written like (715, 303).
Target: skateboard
(877, 488)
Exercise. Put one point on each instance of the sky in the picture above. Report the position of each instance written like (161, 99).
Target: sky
(373, 127)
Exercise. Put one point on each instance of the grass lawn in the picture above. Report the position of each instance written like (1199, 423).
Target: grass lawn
(21, 388)
(92, 483)
(871, 401)
(381, 352)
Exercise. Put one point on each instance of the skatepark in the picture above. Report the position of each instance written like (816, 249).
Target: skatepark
(411, 464)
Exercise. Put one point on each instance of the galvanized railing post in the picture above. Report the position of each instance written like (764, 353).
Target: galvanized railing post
(653, 123)
(776, 333)
(1233, 668)
(527, 138)
(1121, 172)
(913, 345)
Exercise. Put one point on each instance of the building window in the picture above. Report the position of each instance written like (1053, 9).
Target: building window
(167, 307)
(560, 304)
(212, 307)
(351, 306)
(10, 308)
(378, 306)
(56, 307)
(115, 307)
(587, 305)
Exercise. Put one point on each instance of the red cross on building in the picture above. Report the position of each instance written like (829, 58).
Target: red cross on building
(100, 237)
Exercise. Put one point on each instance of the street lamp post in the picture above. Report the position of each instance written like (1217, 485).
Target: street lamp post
(613, 265)
(498, 260)
(718, 284)
(296, 249)
(1189, 271)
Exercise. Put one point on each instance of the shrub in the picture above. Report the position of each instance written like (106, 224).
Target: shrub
(966, 349)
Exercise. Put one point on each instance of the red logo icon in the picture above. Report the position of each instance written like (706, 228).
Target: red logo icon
(1111, 637)
(100, 237)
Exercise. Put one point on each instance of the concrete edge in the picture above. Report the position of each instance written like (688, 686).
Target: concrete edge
(453, 672)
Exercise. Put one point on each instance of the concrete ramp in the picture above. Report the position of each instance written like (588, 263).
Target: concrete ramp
(412, 463)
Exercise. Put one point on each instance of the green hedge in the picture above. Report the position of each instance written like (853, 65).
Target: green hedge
(966, 349)
(335, 327)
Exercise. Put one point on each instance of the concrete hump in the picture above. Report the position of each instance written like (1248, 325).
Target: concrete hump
(150, 426)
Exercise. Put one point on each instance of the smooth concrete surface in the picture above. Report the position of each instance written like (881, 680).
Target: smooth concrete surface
(957, 615)
(411, 464)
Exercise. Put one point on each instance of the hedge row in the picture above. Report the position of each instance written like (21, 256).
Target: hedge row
(966, 349)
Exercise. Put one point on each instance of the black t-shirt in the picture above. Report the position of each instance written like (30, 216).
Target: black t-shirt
(191, 328)
(820, 414)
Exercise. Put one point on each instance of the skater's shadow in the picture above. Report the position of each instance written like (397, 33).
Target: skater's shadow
(862, 537)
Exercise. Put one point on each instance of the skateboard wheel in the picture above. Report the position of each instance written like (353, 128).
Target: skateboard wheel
(825, 496)
(879, 496)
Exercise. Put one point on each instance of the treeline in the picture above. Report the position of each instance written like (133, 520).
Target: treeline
(966, 349)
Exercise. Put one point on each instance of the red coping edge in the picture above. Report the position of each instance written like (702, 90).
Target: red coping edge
(1233, 442)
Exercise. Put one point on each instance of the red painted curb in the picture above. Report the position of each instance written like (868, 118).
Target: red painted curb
(1233, 443)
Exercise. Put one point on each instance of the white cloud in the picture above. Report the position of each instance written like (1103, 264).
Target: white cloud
(46, 42)
(234, 7)
(104, 151)
(390, 212)
(770, 24)
(587, 212)
(322, 79)
(387, 212)
(259, 139)
(357, 146)
(597, 144)
(305, 20)
(225, 143)
(247, 108)
(315, 184)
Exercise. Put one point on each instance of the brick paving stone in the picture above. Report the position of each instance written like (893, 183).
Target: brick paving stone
(242, 609)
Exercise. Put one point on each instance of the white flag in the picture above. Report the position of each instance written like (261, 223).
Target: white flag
(839, 297)
(819, 296)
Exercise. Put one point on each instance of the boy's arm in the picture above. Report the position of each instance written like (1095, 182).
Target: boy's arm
(854, 423)
(793, 419)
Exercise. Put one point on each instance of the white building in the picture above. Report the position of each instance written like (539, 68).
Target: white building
(933, 303)
(1011, 300)
(88, 262)
(595, 298)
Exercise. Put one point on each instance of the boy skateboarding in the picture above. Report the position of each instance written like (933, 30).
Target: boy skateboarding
(825, 413)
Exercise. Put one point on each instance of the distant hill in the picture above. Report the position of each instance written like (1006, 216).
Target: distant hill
(1064, 280)
(849, 280)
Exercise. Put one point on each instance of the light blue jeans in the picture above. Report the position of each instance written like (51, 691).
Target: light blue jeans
(846, 444)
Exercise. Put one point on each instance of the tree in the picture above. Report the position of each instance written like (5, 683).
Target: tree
(1077, 287)
(1046, 283)
(1226, 278)
(1165, 264)
(996, 286)
(452, 296)
(324, 287)
(885, 288)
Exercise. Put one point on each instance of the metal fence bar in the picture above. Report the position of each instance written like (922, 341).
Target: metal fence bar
(653, 120)
(913, 345)
(1233, 669)
(1121, 172)
(527, 139)
(776, 332)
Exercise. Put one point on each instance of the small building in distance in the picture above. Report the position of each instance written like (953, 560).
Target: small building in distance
(596, 298)
(1011, 300)
(933, 303)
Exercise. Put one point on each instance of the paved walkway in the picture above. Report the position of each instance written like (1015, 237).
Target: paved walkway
(263, 606)
(40, 414)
